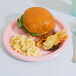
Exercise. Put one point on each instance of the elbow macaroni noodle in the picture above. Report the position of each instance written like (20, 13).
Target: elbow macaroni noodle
(25, 46)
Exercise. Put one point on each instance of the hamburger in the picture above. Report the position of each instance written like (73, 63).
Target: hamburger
(36, 20)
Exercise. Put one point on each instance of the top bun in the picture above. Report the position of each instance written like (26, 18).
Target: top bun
(38, 20)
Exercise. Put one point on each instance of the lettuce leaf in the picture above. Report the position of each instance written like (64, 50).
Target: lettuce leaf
(20, 25)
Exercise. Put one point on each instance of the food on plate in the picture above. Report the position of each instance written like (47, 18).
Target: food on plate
(40, 23)
(52, 40)
(25, 46)
(36, 20)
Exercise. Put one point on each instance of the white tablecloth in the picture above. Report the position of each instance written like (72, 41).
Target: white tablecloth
(61, 65)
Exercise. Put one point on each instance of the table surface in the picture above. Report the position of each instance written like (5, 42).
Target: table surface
(61, 65)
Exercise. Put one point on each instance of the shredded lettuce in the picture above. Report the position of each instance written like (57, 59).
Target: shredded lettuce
(20, 25)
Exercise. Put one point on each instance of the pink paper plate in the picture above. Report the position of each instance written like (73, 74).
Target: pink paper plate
(12, 30)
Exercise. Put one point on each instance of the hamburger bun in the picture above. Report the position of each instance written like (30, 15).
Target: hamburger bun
(38, 20)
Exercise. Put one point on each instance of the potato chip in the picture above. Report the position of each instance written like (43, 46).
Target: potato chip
(63, 35)
(48, 41)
